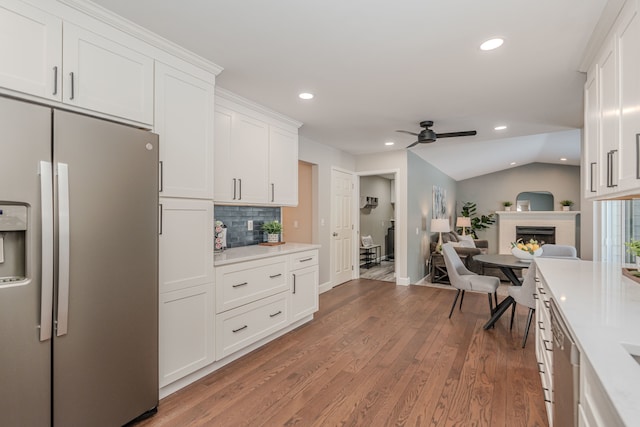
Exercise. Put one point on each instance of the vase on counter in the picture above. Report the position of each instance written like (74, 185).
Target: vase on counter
(566, 208)
(273, 238)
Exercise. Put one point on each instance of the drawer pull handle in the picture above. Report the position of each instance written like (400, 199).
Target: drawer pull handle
(239, 329)
(547, 304)
(541, 291)
(540, 368)
(55, 80)
(535, 296)
(545, 395)
(275, 275)
(294, 283)
(275, 314)
(540, 325)
(240, 284)
(545, 342)
(306, 259)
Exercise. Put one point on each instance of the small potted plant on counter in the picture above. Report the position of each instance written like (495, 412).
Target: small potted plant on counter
(507, 205)
(566, 205)
(633, 247)
(273, 230)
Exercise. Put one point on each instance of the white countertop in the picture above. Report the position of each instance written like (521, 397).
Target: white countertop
(248, 253)
(602, 309)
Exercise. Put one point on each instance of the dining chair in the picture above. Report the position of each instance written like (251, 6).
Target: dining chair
(464, 280)
(524, 295)
(558, 251)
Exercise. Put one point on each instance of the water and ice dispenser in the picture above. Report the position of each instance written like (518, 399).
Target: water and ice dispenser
(13, 231)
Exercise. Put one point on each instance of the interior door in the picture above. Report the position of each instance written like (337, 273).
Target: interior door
(341, 226)
(105, 362)
(25, 360)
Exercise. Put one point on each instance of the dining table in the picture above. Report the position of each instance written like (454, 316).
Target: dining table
(508, 264)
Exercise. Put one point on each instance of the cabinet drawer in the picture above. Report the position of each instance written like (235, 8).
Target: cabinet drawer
(243, 283)
(238, 328)
(304, 259)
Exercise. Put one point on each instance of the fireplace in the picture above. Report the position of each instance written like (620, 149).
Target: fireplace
(542, 234)
(562, 223)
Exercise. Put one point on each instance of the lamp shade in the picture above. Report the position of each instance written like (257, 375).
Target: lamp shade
(440, 225)
(463, 221)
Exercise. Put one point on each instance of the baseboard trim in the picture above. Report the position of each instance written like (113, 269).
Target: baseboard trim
(403, 281)
(326, 286)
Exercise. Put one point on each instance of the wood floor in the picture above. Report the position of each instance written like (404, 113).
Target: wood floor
(376, 354)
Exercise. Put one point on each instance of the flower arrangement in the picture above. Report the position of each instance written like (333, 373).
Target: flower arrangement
(531, 246)
(220, 236)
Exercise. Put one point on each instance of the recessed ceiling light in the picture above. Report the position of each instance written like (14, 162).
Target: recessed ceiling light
(563, 159)
(491, 44)
(501, 127)
(389, 143)
(512, 163)
(305, 95)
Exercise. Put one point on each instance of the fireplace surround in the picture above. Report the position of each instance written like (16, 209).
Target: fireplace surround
(564, 224)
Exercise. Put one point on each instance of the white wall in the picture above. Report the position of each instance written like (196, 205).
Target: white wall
(368, 164)
(323, 158)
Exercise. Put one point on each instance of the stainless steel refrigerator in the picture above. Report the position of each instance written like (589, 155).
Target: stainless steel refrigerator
(78, 269)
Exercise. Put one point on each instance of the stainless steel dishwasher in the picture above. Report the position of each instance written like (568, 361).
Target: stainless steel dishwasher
(566, 372)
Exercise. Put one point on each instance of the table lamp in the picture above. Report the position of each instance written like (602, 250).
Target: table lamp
(463, 221)
(440, 225)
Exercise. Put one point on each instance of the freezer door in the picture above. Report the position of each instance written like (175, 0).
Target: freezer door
(105, 352)
(25, 364)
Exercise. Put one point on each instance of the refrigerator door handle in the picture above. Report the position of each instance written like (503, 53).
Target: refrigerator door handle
(46, 292)
(63, 249)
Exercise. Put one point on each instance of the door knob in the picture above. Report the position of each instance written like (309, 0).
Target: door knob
(335, 234)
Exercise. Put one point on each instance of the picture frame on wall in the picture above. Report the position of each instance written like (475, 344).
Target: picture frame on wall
(439, 202)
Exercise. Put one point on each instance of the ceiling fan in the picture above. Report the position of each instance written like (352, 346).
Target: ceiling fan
(428, 135)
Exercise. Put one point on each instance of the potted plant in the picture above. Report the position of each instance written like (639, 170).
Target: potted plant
(507, 205)
(566, 205)
(478, 223)
(273, 230)
(633, 247)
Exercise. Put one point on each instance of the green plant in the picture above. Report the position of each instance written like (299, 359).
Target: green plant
(272, 227)
(633, 247)
(478, 223)
(566, 202)
(507, 203)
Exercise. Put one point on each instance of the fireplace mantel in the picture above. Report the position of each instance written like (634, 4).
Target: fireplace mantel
(564, 221)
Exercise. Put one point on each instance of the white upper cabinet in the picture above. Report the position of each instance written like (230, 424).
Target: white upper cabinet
(256, 155)
(612, 117)
(31, 50)
(106, 76)
(184, 119)
(283, 167)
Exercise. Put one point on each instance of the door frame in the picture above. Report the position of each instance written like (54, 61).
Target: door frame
(356, 247)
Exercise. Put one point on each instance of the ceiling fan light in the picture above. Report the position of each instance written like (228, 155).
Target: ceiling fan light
(492, 44)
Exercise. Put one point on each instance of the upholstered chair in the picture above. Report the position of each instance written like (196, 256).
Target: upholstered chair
(558, 251)
(524, 295)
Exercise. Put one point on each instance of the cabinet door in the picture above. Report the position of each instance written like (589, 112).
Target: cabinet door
(250, 149)
(304, 292)
(609, 118)
(224, 174)
(186, 244)
(187, 332)
(184, 120)
(591, 134)
(283, 167)
(31, 50)
(629, 90)
(105, 76)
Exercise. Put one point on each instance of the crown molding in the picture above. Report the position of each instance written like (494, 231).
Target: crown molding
(100, 13)
(247, 103)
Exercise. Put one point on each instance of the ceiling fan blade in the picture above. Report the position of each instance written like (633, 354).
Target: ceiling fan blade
(414, 144)
(406, 131)
(453, 134)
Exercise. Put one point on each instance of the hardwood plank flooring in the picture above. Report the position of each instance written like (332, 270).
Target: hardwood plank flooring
(376, 354)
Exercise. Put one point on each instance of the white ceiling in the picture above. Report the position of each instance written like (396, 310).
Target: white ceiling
(376, 66)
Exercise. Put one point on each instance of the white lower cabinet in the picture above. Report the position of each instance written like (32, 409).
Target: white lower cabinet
(595, 408)
(187, 332)
(304, 284)
(544, 345)
(242, 326)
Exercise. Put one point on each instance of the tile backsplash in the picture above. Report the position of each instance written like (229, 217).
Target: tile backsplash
(236, 217)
